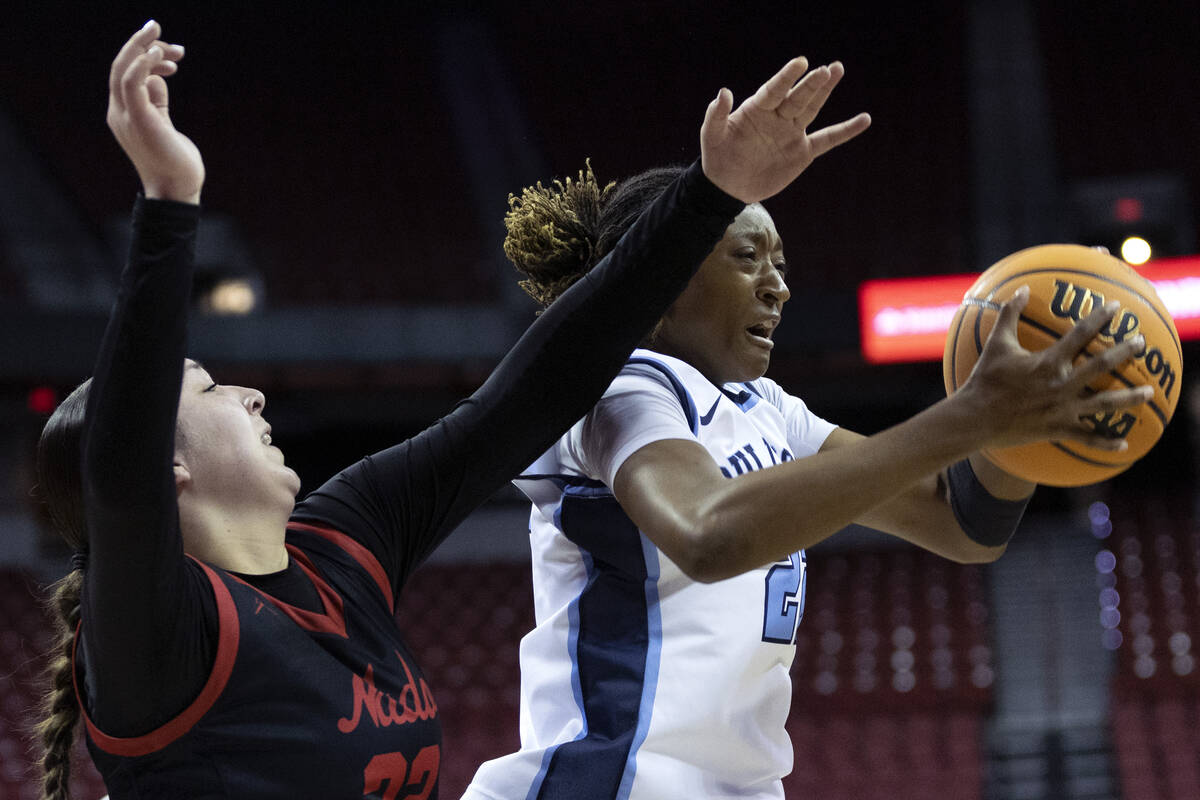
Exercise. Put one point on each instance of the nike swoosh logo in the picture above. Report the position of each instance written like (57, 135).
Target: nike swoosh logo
(707, 418)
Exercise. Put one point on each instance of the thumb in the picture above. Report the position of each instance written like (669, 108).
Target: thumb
(715, 118)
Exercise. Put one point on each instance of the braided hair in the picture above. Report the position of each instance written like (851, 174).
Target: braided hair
(59, 454)
(557, 233)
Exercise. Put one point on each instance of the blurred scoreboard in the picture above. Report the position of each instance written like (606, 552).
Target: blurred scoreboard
(906, 319)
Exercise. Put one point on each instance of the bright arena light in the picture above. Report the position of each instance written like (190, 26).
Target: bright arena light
(232, 296)
(1135, 250)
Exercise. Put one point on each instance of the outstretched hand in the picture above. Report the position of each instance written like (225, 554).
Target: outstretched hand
(168, 163)
(1035, 396)
(757, 150)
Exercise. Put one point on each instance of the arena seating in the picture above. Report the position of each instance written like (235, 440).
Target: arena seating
(892, 679)
(1150, 596)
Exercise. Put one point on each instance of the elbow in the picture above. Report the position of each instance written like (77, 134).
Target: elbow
(980, 554)
(706, 567)
(724, 540)
(710, 553)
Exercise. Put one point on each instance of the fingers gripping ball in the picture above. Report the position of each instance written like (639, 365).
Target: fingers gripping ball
(1066, 282)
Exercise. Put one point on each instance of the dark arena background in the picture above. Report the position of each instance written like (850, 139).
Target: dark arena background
(359, 158)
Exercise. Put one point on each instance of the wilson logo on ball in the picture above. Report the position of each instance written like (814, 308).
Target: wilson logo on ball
(1123, 325)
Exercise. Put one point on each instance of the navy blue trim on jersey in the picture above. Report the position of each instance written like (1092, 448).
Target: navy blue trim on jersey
(745, 399)
(563, 481)
(615, 645)
(685, 397)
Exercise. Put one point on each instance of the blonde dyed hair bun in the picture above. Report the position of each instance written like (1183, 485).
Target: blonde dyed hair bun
(553, 232)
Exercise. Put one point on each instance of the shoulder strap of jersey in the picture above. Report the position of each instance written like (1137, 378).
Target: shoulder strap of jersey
(645, 359)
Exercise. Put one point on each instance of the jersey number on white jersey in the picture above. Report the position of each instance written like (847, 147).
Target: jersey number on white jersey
(784, 604)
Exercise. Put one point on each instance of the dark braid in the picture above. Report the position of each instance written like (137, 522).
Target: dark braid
(60, 707)
(60, 486)
(557, 233)
(633, 196)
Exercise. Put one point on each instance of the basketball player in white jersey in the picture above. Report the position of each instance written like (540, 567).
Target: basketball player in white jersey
(668, 526)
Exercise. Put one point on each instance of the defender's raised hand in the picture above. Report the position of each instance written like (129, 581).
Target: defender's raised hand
(168, 163)
(757, 150)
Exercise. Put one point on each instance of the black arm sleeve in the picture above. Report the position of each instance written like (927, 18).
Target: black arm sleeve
(148, 617)
(403, 501)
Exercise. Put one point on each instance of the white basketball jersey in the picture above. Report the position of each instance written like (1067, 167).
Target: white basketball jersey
(637, 681)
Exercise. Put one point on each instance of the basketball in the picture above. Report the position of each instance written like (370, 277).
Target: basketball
(1065, 283)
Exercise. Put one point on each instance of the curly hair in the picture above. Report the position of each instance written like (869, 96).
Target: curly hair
(557, 233)
(60, 486)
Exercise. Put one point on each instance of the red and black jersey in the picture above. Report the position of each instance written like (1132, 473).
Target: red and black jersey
(325, 700)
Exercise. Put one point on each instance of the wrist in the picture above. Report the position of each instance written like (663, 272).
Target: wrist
(159, 187)
(960, 425)
(999, 483)
(159, 192)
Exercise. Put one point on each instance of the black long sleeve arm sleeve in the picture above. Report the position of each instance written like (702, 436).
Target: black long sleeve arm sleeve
(405, 500)
(139, 595)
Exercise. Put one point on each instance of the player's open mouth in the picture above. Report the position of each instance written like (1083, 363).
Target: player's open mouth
(762, 332)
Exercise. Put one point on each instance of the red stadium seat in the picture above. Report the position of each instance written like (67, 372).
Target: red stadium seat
(1155, 574)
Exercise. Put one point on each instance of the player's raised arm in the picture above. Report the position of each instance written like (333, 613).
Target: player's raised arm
(636, 267)
(106, 472)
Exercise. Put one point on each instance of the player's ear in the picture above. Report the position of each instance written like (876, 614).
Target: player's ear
(182, 477)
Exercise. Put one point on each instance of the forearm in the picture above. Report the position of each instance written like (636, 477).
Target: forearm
(801, 503)
(921, 515)
(967, 512)
(132, 596)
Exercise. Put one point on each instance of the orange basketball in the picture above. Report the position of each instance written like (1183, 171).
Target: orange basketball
(1065, 282)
